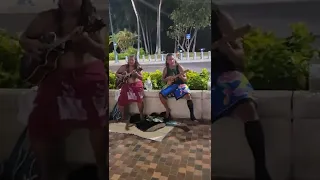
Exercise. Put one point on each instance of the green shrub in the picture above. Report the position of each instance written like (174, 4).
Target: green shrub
(272, 63)
(196, 81)
(278, 63)
(10, 53)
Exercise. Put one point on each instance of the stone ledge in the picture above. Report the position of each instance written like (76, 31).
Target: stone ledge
(306, 105)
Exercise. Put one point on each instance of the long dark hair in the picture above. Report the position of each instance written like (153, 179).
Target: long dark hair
(175, 61)
(136, 63)
(215, 11)
(215, 30)
(88, 15)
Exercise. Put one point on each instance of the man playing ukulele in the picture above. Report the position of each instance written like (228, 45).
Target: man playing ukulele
(176, 87)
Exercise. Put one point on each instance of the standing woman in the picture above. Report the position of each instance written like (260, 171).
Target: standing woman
(74, 95)
(231, 89)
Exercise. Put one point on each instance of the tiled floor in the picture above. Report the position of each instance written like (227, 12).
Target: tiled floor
(180, 156)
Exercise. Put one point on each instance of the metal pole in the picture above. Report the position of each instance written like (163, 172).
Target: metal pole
(138, 29)
(113, 38)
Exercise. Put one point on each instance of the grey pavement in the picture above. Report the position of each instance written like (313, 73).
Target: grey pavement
(194, 65)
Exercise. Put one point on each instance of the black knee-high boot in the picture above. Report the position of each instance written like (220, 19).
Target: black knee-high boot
(255, 137)
(190, 106)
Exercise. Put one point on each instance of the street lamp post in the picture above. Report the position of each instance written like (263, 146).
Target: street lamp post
(138, 29)
(113, 38)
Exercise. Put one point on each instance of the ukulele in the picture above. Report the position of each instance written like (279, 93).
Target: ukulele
(33, 70)
(173, 78)
(126, 76)
(240, 32)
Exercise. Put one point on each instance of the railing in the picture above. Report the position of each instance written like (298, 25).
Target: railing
(186, 56)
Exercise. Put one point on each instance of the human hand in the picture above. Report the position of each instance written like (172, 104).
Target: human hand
(224, 46)
(134, 73)
(169, 78)
(77, 35)
(181, 76)
(35, 47)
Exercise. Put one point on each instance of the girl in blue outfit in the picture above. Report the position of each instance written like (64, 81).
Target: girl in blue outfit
(231, 89)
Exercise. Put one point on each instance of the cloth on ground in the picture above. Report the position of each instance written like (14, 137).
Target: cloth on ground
(151, 122)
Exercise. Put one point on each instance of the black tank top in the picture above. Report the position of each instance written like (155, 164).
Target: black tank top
(219, 62)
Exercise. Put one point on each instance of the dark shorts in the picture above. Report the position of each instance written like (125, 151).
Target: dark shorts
(70, 99)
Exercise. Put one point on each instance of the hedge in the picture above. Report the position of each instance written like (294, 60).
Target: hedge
(196, 81)
(272, 63)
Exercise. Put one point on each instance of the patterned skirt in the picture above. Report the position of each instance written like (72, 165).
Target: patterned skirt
(229, 90)
(175, 90)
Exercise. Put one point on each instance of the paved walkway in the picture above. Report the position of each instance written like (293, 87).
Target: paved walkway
(180, 156)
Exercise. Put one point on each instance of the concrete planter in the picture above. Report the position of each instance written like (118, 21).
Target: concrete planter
(290, 121)
(179, 109)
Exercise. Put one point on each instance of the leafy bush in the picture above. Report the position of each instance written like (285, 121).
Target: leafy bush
(128, 52)
(279, 63)
(272, 63)
(124, 39)
(10, 53)
(196, 81)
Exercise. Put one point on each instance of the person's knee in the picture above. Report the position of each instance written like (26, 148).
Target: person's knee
(140, 105)
(161, 96)
(246, 112)
(188, 97)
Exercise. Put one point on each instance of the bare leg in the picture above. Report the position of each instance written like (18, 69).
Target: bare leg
(122, 111)
(141, 108)
(127, 110)
(98, 139)
(50, 155)
(164, 101)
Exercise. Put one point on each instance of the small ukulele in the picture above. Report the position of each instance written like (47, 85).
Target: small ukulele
(240, 32)
(34, 69)
(171, 79)
(126, 76)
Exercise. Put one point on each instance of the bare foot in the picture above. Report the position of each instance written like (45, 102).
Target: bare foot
(127, 127)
